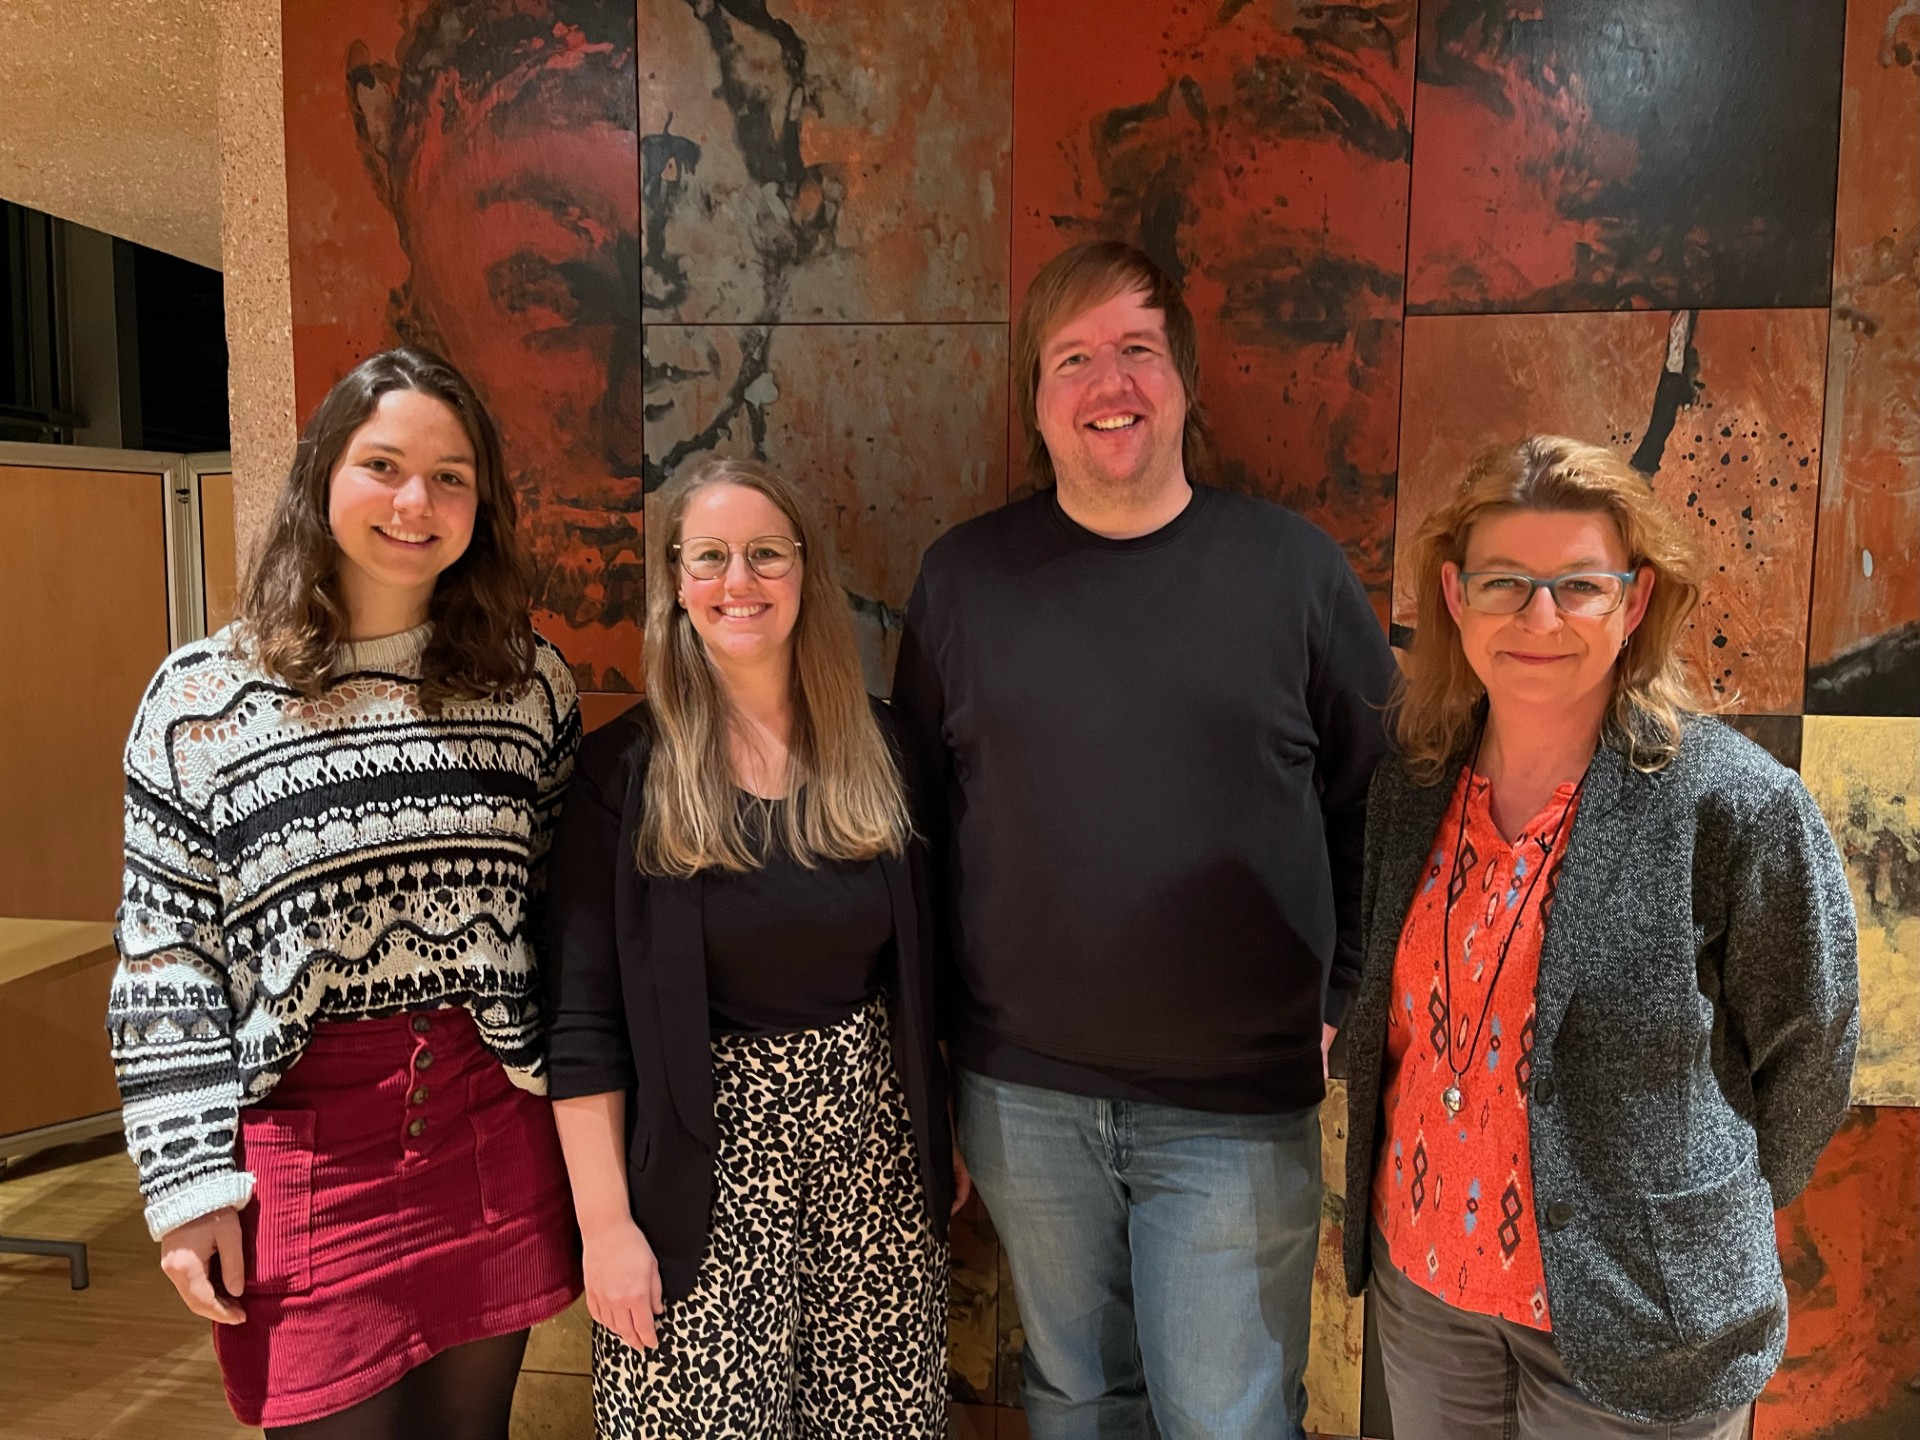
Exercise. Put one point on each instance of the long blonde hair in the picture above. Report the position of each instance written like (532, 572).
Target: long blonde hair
(1439, 698)
(845, 800)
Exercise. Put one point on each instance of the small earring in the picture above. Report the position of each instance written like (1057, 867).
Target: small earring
(682, 598)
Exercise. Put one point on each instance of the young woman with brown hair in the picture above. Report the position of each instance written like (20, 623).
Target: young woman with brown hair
(326, 1020)
(749, 1094)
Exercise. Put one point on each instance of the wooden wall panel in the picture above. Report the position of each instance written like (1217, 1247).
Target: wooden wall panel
(1740, 459)
(1865, 639)
(83, 587)
(219, 558)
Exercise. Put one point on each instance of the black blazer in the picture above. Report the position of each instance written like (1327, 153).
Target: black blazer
(626, 977)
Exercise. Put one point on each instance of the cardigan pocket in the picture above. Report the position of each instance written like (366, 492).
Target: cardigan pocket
(1717, 1254)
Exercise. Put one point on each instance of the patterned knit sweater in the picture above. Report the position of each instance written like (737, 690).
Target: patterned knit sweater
(292, 860)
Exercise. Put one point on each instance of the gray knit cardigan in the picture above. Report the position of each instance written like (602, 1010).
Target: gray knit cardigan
(1697, 1014)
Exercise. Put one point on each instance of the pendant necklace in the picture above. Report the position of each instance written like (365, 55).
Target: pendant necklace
(1451, 1097)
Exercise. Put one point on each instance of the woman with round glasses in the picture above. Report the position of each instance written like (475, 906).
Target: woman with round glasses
(749, 1093)
(1609, 1009)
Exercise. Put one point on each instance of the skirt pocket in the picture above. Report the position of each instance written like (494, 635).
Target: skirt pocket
(515, 1147)
(277, 1228)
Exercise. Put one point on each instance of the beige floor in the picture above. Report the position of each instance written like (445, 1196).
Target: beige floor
(123, 1359)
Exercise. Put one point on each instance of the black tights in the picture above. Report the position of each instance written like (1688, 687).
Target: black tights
(465, 1393)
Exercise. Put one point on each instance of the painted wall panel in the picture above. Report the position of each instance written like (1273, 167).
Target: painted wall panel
(1850, 1250)
(899, 431)
(1589, 155)
(464, 174)
(1865, 638)
(1865, 773)
(1339, 1320)
(1740, 457)
(825, 160)
(1259, 153)
(825, 214)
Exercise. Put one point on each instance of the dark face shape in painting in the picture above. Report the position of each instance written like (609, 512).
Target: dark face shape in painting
(510, 158)
(1268, 172)
(1589, 155)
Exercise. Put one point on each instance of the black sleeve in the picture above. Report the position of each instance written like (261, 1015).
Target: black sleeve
(588, 1050)
(1347, 693)
(920, 712)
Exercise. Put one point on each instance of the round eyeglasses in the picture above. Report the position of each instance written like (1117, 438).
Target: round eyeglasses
(1502, 592)
(705, 558)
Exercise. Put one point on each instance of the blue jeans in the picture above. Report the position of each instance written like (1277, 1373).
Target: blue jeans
(1163, 1259)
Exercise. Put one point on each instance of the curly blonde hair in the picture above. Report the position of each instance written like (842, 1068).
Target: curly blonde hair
(1439, 697)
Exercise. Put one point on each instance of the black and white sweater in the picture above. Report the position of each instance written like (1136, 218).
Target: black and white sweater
(292, 860)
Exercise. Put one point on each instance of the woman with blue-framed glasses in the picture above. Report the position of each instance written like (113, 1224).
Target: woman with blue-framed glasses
(1609, 1009)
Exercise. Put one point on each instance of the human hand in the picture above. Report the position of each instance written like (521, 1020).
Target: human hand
(962, 1182)
(186, 1255)
(623, 1284)
(1327, 1035)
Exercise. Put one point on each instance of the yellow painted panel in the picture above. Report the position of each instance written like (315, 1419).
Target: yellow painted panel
(1865, 773)
(1333, 1356)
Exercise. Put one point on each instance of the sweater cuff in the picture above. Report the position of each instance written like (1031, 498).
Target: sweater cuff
(203, 1197)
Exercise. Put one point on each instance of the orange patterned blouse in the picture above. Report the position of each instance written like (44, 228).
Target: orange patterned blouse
(1453, 1194)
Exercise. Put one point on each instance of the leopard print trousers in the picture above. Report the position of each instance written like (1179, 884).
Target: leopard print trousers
(820, 1310)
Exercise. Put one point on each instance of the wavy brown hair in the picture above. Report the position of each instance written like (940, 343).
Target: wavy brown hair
(1439, 698)
(1074, 281)
(293, 618)
(845, 799)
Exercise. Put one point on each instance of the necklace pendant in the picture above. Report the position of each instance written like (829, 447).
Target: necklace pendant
(1452, 1099)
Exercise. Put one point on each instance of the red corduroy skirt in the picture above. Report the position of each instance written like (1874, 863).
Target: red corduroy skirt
(408, 1198)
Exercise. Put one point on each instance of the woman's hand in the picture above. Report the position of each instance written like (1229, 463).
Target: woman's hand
(623, 1284)
(186, 1254)
(962, 1181)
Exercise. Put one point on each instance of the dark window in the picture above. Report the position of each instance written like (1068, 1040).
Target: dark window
(180, 315)
(30, 328)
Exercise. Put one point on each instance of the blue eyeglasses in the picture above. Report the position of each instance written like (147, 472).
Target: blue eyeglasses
(1502, 592)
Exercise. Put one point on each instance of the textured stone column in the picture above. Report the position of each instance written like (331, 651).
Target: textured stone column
(253, 246)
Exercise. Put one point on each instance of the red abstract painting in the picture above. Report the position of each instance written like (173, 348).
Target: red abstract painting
(1589, 155)
(1719, 408)
(1865, 641)
(1850, 1247)
(464, 175)
(1260, 154)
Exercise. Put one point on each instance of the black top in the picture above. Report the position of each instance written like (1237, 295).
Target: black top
(1143, 766)
(626, 978)
(792, 948)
